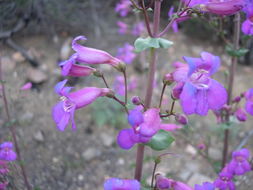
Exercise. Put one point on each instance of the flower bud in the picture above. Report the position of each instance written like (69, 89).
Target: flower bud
(176, 91)
(241, 115)
(110, 94)
(121, 67)
(181, 118)
(136, 100)
(236, 99)
(201, 146)
(168, 79)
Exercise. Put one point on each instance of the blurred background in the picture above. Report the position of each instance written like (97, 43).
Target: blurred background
(36, 35)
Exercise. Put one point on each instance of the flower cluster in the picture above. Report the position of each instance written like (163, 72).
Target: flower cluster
(6, 152)
(195, 88)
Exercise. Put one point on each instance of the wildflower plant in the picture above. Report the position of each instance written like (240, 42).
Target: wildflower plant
(193, 87)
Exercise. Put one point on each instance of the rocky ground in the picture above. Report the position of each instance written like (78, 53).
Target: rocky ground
(81, 160)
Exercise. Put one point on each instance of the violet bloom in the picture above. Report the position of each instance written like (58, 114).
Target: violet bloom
(205, 186)
(119, 84)
(249, 101)
(3, 185)
(3, 167)
(241, 115)
(123, 7)
(26, 86)
(6, 152)
(225, 180)
(164, 183)
(239, 164)
(70, 101)
(121, 184)
(223, 7)
(144, 126)
(200, 92)
(126, 53)
(248, 9)
(247, 27)
(192, 3)
(138, 29)
(90, 55)
(123, 27)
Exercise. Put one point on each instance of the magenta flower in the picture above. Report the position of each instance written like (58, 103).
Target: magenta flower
(239, 164)
(126, 53)
(121, 184)
(200, 92)
(70, 68)
(3, 167)
(26, 86)
(248, 9)
(119, 85)
(90, 56)
(138, 29)
(182, 18)
(247, 27)
(192, 3)
(205, 186)
(164, 183)
(6, 152)
(241, 115)
(123, 7)
(249, 101)
(144, 126)
(123, 27)
(182, 119)
(223, 7)
(3, 185)
(70, 101)
(225, 180)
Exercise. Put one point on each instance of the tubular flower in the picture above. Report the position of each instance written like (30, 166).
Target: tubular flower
(241, 115)
(126, 53)
(121, 184)
(138, 29)
(123, 27)
(200, 92)
(205, 186)
(123, 8)
(247, 27)
(144, 126)
(223, 7)
(249, 101)
(225, 180)
(70, 101)
(6, 152)
(239, 164)
(164, 183)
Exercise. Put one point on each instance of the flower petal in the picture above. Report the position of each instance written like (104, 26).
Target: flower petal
(188, 99)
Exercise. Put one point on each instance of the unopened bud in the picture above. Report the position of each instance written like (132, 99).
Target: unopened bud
(241, 115)
(168, 79)
(97, 73)
(176, 91)
(110, 94)
(120, 67)
(237, 99)
(136, 100)
(201, 146)
(181, 118)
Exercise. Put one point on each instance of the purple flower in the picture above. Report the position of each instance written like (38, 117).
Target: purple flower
(70, 101)
(248, 9)
(89, 56)
(241, 115)
(239, 164)
(225, 180)
(6, 152)
(249, 101)
(3, 185)
(138, 29)
(123, 27)
(144, 126)
(26, 86)
(192, 3)
(164, 183)
(126, 53)
(70, 68)
(123, 7)
(3, 167)
(119, 85)
(205, 186)
(182, 119)
(223, 7)
(247, 27)
(200, 92)
(121, 184)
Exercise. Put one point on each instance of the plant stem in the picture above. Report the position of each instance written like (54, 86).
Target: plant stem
(13, 131)
(161, 98)
(106, 84)
(146, 18)
(232, 69)
(125, 81)
(149, 90)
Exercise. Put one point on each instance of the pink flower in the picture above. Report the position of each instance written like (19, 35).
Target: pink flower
(26, 86)
(164, 183)
(126, 53)
(138, 29)
(123, 27)
(6, 152)
(247, 27)
(71, 101)
(249, 101)
(123, 7)
(241, 115)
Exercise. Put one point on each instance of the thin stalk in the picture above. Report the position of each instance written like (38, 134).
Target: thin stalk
(149, 91)
(13, 131)
(146, 18)
(153, 174)
(125, 81)
(232, 69)
(106, 84)
(161, 98)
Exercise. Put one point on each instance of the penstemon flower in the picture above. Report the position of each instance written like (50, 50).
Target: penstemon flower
(6, 152)
(123, 27)
(26, 86)
(225, 180)
(121, 184)
(164, 183)
(71, 101)
(138, 29)
(119, 85)
(205, 186)
(144, 126)
(123, 8)
(200, 92)
(247, 27)
(249, 101)
(126, 53)
(241, 115)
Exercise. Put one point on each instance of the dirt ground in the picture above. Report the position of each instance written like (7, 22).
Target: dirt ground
(81, 160)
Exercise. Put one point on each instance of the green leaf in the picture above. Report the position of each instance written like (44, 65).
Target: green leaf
(164, 43)
(236, 53)
(142, 44)
(161, 140)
